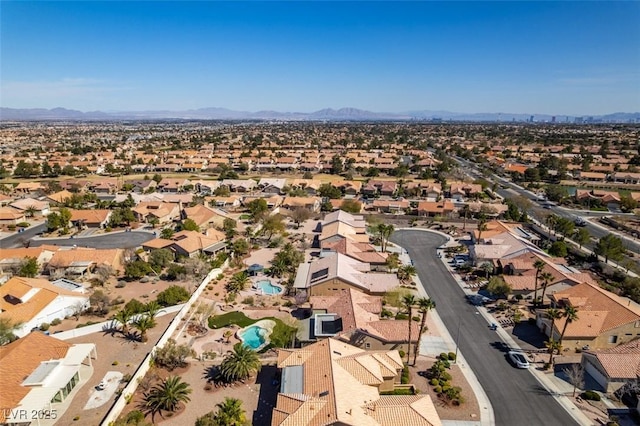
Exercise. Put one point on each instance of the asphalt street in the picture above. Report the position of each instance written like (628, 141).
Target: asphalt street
(20, 239)
(104, 241)
(516, 396)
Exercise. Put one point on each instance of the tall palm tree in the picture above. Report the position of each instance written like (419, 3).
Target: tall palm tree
(546, 278)
(408, 301)
(230, 413)
(539, 265)
(166, 395)
(553, 314)
(123, 317)
(238, 282)
(385, 232)
(424, 306)
(482, 225)
(144, 323)
(240, 363)
(570, 315)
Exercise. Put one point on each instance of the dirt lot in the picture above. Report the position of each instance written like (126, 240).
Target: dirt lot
(125, 353)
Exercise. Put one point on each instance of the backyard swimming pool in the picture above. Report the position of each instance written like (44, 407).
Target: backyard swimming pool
(267, 288)
(256, 336)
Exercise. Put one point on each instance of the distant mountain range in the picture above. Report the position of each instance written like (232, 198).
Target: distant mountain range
(328, 114)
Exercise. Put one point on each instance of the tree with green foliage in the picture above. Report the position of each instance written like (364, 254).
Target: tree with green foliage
(258, 208)
(408, 302)
(558, 249)
(137, 269)
(271, 225)
(405, 272)
(160, 259)
(240, 247)
(570, 314)
(123, 317)
(172, 296)
(7, 328)
(28, 267)
(144, 323)
(498, 287)
(351, 206)
(337, 165)
(327, 190)
(230, 227)
(546, 278)
(424, 306)
(539, 265)
(166, 396)
(172, 355)
(300, 215)
(628, 203)
(609, 247)
(393, 261)
(167, 233)
(240, 364)
(556, 193)
(238, 282)
(190, 225)
(581, 236)
(384, 231)
(229, 413)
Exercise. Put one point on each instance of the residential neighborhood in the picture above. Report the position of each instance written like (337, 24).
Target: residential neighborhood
(308, 273)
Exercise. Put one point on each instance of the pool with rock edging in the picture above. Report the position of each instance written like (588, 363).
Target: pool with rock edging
(256, 336)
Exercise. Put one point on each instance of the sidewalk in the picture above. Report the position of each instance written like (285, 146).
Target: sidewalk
(555, 386)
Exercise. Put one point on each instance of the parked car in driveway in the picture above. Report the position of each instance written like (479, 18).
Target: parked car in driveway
(519, 359)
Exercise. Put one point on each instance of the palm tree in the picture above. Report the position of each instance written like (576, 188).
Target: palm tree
(240, 363)
(123, 317)
(405, 272)
(546, 277)
(482, 225)
(230, 413)
(424, 306)
(487, 267)
(142, 324)
(408, 301)
(570, 315)
(552, 346)
(539, 265)
(238, 282)
(385, 232)
(553, 314)
(30, 211)
(152, 308)
(166, 395)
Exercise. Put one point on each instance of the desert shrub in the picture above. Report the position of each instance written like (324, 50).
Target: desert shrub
(434, 382)
(404, 377)
(172, 296)
(56, 321)
(172, 355)
(590, 395)
(443, 356)
(44, 326)
(248, 300)
(452, 356)
(437, 389)
(401, 316)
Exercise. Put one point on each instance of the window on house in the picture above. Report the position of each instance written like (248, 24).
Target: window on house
(367, 345)
(613, 339)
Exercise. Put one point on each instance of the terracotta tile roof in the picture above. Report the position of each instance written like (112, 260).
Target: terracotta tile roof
(60, 197)
(40, 293)
(414, 410)
(64, 258)
(19, 359)
(9, 213)
(393, 330)
(192, 241)
(598, 310)
(94, 216)
(620, 362)
(339, 381)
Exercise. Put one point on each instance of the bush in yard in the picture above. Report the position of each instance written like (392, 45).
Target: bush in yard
(172, 296)
(434, 382)
(452, 356)
(172, 355)
(444, 356)
(446, 376)
(44, 326)
(590, 395)
(437, 389)
(404, 378)
(134, 306)
(56, 321)
(137, 269)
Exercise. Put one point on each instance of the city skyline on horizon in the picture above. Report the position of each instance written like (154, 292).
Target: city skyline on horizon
(555, 58)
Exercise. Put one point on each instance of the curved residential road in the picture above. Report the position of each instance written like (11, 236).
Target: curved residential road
(516, 396)
(104, 241)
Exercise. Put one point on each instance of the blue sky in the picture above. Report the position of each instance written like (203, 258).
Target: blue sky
(523, 57)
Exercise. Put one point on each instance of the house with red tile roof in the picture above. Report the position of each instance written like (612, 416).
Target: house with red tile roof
(612, 368)
(333, 383)
(30, 302)
(604, 318)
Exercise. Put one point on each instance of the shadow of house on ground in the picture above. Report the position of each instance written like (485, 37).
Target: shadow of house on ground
(528, 336)
(269, 381)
